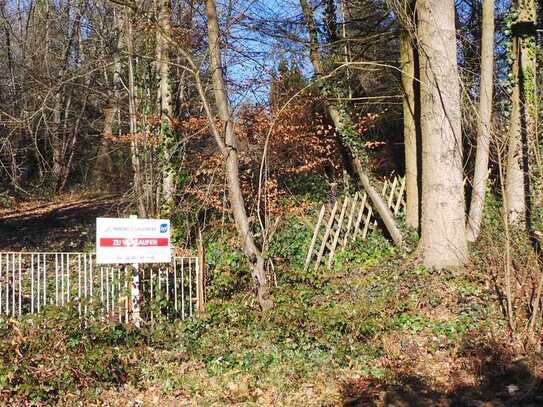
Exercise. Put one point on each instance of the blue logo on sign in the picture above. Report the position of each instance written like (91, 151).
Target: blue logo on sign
(164, 228)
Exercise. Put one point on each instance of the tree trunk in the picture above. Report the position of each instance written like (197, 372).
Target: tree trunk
(484, 124)
(134, 144)
(340, 125)
(230, 152)
(103, 168)
(443, 219)
(411, 106)
(166, 108)
(57, 139)
(523, 115)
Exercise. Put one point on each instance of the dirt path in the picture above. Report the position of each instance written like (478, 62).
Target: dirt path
(65, 224)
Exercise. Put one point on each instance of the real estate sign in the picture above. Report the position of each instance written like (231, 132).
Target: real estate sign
(125, 241)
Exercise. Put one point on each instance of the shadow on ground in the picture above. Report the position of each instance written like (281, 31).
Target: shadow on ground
(55, 226)
(501, 380)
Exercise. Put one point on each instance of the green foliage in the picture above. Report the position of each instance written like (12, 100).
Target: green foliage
(290, 243)
(48, 358)
(227, 269)
(307, 187)
(368, 252)
(452, 329)
(5, 200)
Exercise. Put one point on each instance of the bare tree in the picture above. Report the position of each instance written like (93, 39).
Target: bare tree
(132, 107)
(230, 153)
(484, 123)
(166, 107)
(443, 219)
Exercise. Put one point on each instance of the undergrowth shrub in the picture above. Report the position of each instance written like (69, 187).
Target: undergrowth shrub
(49, 358)
(306, 187)
(511, 265)
(290, 243)
(368, 252)
(6, 201)
(228, 270)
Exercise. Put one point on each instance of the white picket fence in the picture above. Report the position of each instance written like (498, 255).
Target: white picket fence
(32, 281)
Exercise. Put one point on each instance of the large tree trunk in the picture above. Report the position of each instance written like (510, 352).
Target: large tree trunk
(443, 220)
(340, 124)
(166, 108)
(523, 114)
(480, 176)
(230, 152)
(411, 107)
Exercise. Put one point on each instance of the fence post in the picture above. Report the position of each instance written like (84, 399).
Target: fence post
(135, 290)
(201, 274)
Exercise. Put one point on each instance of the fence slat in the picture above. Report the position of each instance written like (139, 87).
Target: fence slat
(367, 223)
(350, 221)
(360, 215)
(326, 235)
(314, 238)
(399, 198)
(336, 237)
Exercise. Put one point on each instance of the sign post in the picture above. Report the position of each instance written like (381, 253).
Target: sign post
(135, 291)
(133, 241)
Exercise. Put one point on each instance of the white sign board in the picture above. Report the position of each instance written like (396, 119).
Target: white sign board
(124, 241)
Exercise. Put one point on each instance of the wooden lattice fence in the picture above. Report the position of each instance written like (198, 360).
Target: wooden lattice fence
(348, 219)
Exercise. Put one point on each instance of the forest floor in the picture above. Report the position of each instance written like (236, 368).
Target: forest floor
(67, 223)
(379, 330)
(385, 335)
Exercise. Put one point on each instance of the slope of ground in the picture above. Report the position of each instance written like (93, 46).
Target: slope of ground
(394, 335)
(66, 224)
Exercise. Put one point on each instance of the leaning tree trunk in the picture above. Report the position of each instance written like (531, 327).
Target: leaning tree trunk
(410, 116)
(480, 176)
(341, 123)
(523, 114)
(443, 219)
(230, 152)
(167, 138)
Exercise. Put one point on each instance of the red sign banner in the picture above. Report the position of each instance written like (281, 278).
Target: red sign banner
(135, 242)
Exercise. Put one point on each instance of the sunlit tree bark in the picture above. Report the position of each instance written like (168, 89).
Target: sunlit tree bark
(484, 123)
(443, 219)
(523, 113)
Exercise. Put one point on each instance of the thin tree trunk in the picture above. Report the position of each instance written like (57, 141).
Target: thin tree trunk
(166, 108)
(340, 125)
(103, 168)
(237, 203)
(136, 166)
(411, 139)
(443, 219)
(484, 124)
(57, 139)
